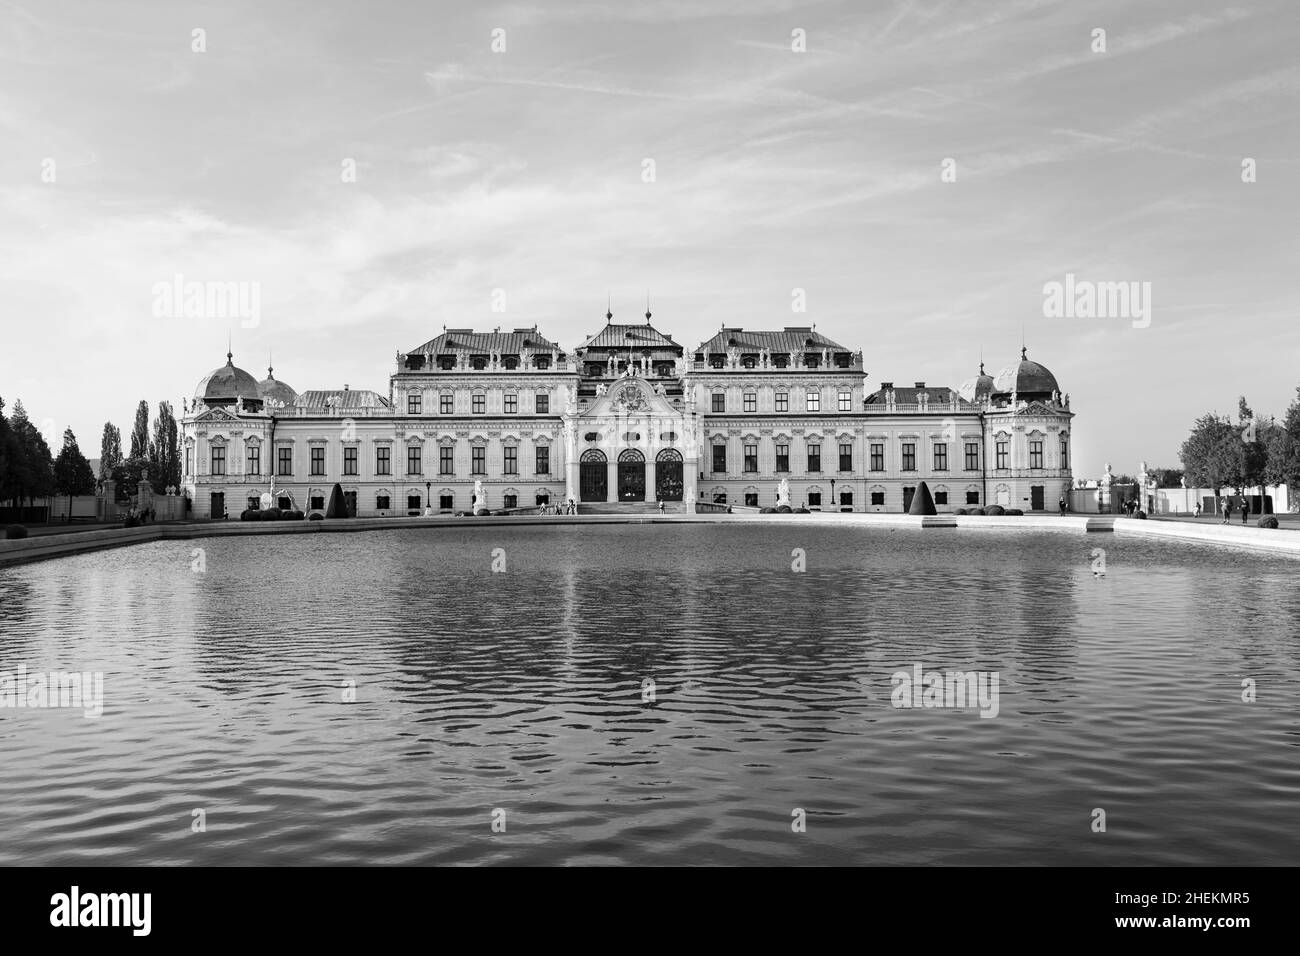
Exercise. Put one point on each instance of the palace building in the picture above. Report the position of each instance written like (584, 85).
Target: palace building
(625, 420)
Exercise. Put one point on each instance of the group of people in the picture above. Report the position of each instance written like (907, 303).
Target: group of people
(1229, 507)
(569, 507)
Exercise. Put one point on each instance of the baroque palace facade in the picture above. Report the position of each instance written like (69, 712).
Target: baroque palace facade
(625, 420)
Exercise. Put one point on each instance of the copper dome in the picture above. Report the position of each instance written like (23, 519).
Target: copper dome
(227, 385)
(1027, 379)
(976, 390)
(275, 392)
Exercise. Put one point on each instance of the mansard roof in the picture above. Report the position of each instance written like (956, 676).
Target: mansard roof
(518, 342)
(625, 337)
(341, 398)
(907, 395)
(792, 339)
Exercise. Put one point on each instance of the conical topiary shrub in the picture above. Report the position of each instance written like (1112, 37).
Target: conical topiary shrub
(338, 506)
(922, 503)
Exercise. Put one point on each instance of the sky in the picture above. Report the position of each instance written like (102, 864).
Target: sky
(501, 180)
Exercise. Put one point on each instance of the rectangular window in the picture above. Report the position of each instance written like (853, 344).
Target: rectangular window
(479, 404)
(412, 502)
(814, 499)
(751, 458)
(782, 401)
(814, 458)
(544, 461)
(941, 497)
(510, 501)
(511, 460)
(814, 401)
(413, 463)
(189, 461)
(782, 457)
(719, 457)
(445, 502)
(446, 460)
(877, 499)
(1002, 454)
(846, 401)
(877, 457)
(254, 459)
(478, 457)
(446, 403)
(846, 456)
(318, 461)
(543, 403)
(909, 456)
(720, 498)
(350, 460)
(719, 402)
(218, 459)
(542, 499)
(972, 456)
(846, 498)
(284, 459)
(972, 497)
(751, 401)
(317, 503)
(382, 502)
(1065, 452)
(383, 460)
(751, 499)
(413, 403)
(1035, 454)
(512, 404)
(941, 456)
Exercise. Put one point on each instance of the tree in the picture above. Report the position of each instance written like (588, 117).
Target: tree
(10, 458)
(1165, 477)
(1213, 454)
(72, 474)
(140, 432)
(34, 473)
(110, 450)
(164, 450)
(1255, 434)
(1283, 463)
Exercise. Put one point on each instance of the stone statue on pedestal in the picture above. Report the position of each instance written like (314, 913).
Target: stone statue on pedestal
(480, 497)
(783, 493)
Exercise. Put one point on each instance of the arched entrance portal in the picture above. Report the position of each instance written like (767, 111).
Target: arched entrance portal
(668, 475)
(593, 476)
(631, 475)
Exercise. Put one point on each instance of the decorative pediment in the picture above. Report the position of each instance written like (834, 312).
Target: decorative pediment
(217, 415)
(631, 397)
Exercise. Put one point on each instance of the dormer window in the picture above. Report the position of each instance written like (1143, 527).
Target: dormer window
(511, 362)
(446, 362)
(479, 363)
(542, 362)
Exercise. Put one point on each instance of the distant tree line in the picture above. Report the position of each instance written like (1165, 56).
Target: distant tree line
(1252, 451)
(28, 469)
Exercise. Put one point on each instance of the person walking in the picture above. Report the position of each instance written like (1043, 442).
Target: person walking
(1245, 510)
(1198, 509)
(1227, 510)
(1061, 504)
(662, 510)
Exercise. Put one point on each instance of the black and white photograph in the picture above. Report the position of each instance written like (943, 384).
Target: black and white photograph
(604, 434)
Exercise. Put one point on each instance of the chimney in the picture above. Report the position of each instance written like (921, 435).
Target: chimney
(920, 384)
(886, 386)
(345, 387)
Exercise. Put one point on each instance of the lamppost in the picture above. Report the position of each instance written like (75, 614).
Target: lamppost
(428, 503)
(834, 505)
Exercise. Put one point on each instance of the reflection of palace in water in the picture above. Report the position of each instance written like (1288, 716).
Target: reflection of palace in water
(625, 420)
